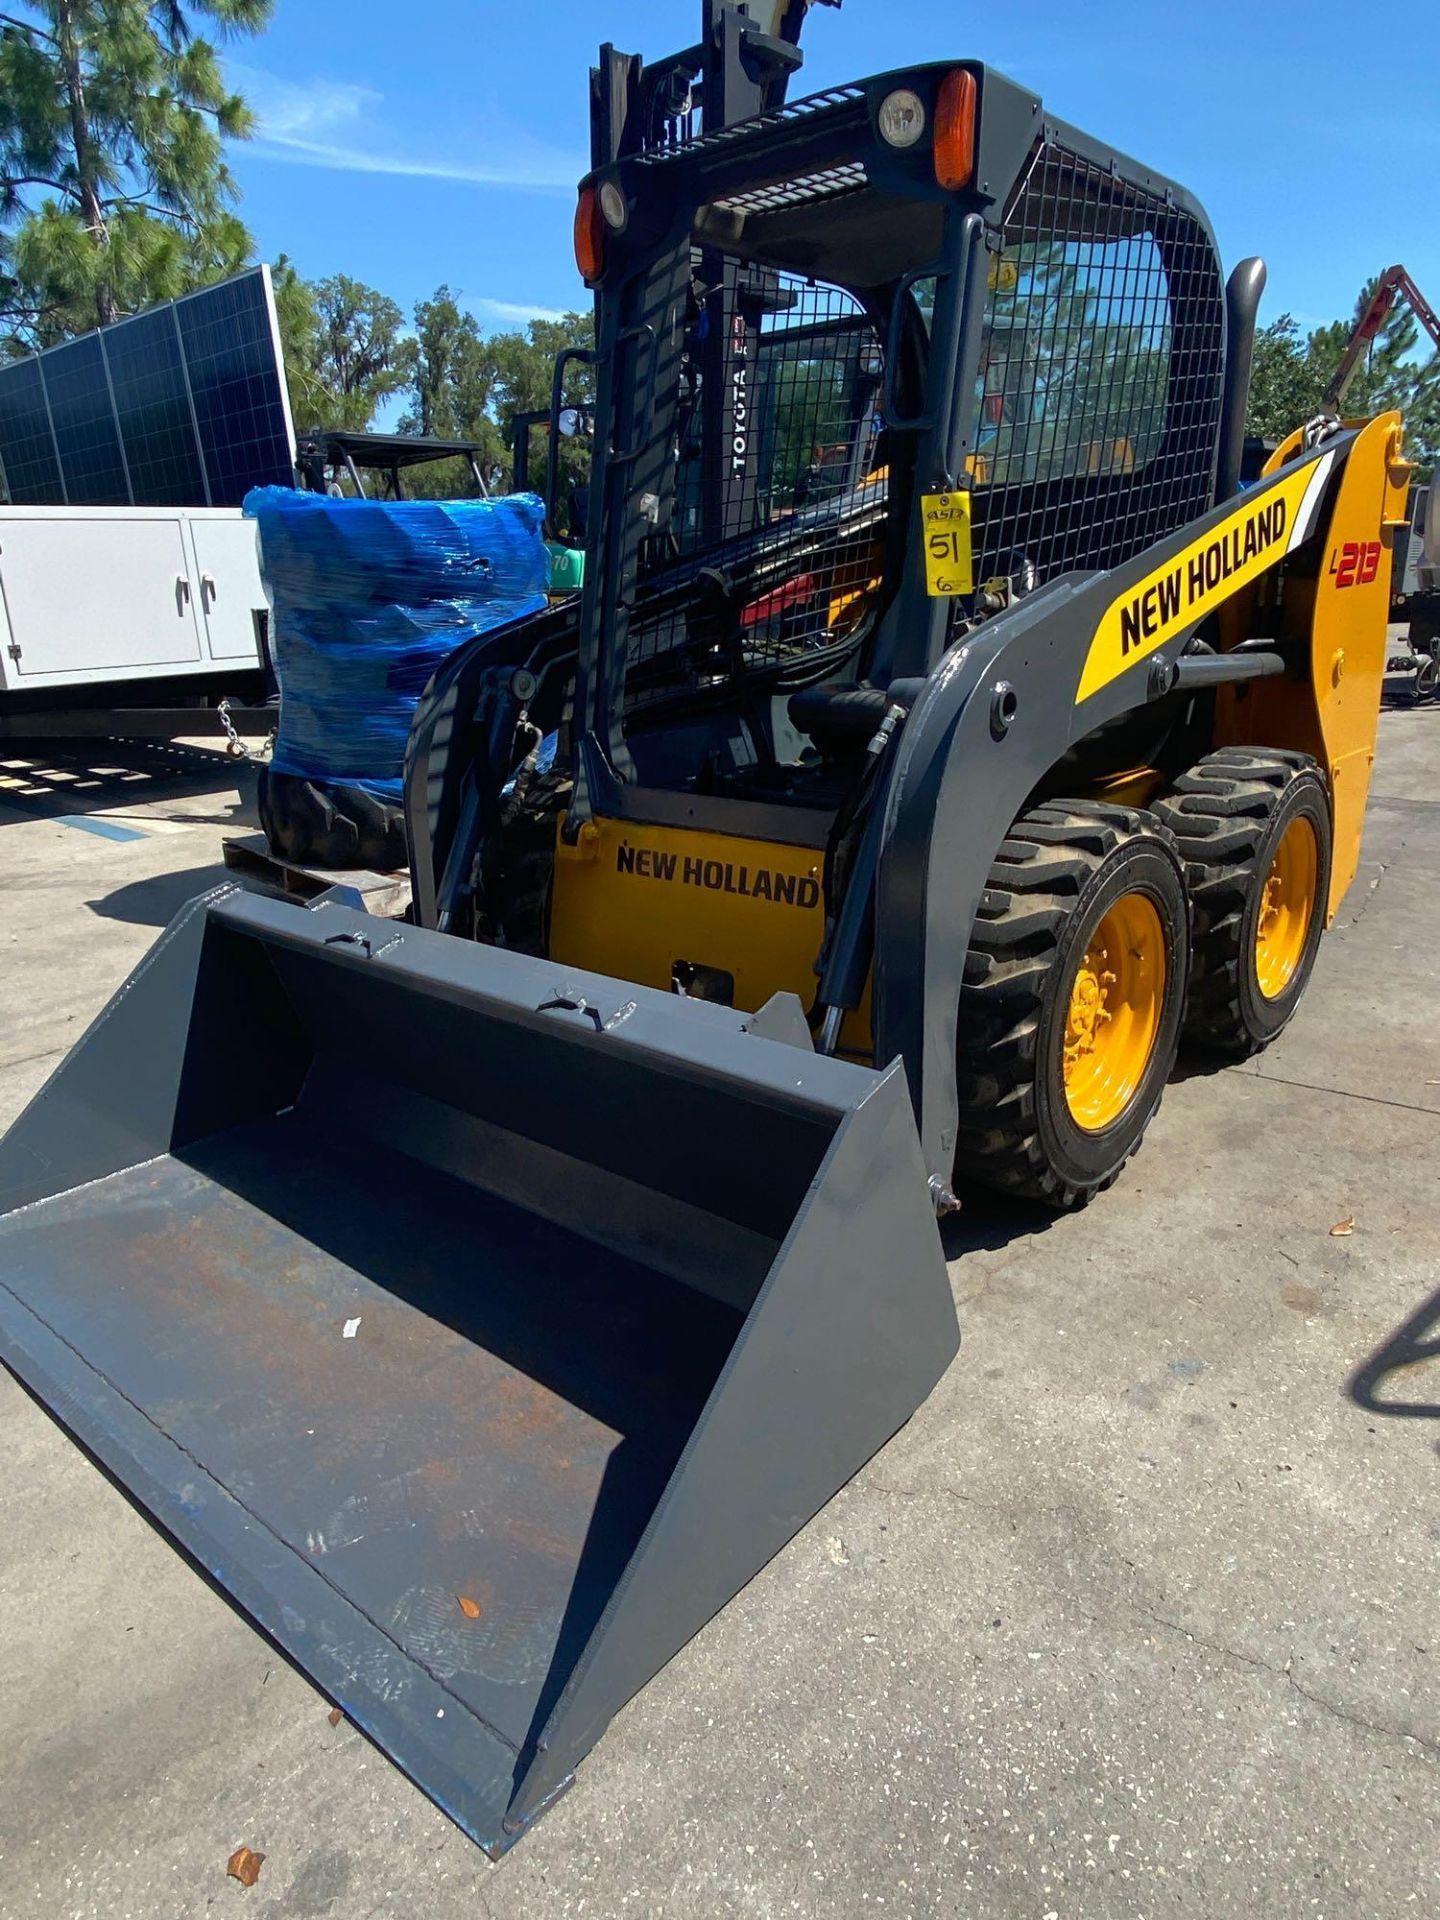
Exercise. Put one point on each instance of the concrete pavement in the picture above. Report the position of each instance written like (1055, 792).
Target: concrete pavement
(1135, 1618)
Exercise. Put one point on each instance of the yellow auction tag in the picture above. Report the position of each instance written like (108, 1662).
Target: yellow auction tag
(948, 562)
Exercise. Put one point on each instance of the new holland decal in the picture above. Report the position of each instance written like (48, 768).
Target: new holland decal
(719, 876)
(1265, 526)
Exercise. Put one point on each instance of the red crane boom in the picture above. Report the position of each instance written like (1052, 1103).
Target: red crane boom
(1393, 284)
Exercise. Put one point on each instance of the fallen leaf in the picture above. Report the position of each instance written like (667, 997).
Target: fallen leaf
(336, 1716)
(244, 1865)
(1342, 1227)
(470, 1608)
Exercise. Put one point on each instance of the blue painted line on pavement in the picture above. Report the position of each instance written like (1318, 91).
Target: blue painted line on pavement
(107, 829)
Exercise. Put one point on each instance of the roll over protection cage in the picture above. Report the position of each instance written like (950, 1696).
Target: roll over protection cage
(675, 180)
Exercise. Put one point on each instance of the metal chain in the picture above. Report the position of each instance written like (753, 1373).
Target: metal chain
(235, 746)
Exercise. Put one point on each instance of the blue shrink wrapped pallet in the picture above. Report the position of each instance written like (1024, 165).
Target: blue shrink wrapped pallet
(367, 598)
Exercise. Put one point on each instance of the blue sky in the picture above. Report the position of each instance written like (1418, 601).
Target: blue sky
(440, 140)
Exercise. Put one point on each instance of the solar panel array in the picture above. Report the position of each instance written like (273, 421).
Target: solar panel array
(183, 406)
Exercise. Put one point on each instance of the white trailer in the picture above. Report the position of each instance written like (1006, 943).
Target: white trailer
(115, 619)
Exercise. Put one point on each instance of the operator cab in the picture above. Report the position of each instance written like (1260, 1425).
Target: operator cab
(914, 286)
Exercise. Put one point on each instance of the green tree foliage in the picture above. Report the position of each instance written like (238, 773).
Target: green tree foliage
(113, 187)
(345, 349)
(1292, 371)
(1286, 386)
(299, 342)
(452, 382)
(470, 386)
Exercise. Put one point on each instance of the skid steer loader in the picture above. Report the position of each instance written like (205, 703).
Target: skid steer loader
(940, 733)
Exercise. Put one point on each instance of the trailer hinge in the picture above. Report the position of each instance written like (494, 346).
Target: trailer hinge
(14, 650)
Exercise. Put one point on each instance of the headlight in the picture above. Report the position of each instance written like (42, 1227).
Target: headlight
(612, 205)
(902, 118)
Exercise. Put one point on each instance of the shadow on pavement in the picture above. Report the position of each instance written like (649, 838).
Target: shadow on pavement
(1413, 1343)
(988, 1221)
(51, 779)
(156, 901)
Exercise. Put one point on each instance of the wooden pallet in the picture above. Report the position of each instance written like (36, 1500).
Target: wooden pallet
(248, 855)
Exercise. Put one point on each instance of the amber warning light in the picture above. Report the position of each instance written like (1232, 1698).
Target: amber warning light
(589, 236)
(954, 140)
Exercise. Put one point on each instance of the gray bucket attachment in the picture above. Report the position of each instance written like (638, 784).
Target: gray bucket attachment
(480, 1326)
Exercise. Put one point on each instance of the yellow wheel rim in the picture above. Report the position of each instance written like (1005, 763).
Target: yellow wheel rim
(1287, 906)
(1116, 999)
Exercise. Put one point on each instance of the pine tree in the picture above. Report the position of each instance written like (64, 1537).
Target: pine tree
(113, 187)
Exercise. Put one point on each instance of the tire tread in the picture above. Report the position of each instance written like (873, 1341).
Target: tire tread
(1039, 873)
(1220, 813)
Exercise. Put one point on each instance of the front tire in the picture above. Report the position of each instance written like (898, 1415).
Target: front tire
(1071, 1006)
(1254, 826)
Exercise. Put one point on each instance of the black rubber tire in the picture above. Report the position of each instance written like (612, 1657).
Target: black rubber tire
(1427, 676)
(1227, 814)
(323, 824)
(1058, 869)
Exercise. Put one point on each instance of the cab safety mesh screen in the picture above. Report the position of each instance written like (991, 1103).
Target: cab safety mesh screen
(1099, 385)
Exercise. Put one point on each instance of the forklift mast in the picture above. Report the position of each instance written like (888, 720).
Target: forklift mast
(739, 69)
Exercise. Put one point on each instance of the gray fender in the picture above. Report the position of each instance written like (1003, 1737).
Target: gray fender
(956, 787)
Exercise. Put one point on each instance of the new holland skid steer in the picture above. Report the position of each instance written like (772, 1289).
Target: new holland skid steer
(940, 735)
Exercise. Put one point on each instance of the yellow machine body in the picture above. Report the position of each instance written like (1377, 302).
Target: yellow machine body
(639, 901)
(636, 901)
(1343, 607)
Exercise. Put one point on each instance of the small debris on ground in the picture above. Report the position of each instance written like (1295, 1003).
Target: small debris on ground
(336, 1716)
(1343, 1227)
(244, 1865)
(352, 1327)
(470, 1608)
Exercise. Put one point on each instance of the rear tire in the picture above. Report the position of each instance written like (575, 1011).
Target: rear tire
(1072, 1001)
(329, 823)
(1253, 824)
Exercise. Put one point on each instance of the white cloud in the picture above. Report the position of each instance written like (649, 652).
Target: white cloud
(338, 125)
(516, 310)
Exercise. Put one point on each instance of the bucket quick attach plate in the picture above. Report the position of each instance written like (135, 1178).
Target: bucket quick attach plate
(637, 1291)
